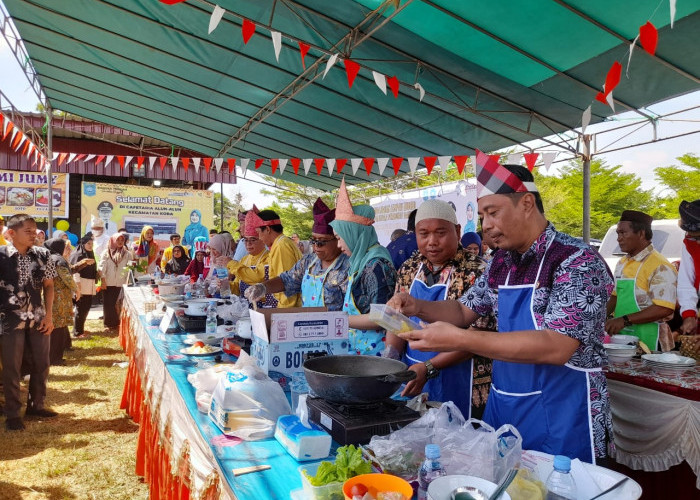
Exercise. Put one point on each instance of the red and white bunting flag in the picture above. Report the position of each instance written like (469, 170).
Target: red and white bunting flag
(17, 139)
(244, 165)
(162, 161)
(195, 163)
(231, 164)
(99, 159)
(531, 160)
(259, 163)
(174, 160)
(128, 160)
(89, 157)
(108, 160)
(71, 157)
(461, 161)
(612, 79)
(340, 164)
(369, 163)
(295, 165)
(351, 69)
(307, 165)
(629, 58)
(547, 159)
(303, 50)
(444, 162)
(396, 164)
(274, 163)
(330, 163)
(120, 160)
(355, 163)
(611, 101)
(649, 37)
(413, 164)
(319, 165)
(381, 164)
(217, 164)
(514, 158)
(207, 164)
(380, 80)
(8, 128)
(27, 142)
(247, 30)
(283, 165)
(139, 161)
(672, 5)
(186, 163)
(331, 62)
(151, 162)
(393, 83)
(585, 119)
(215, 18)
(276, 43)
(421, 91)
(429, 163)
(80, 157)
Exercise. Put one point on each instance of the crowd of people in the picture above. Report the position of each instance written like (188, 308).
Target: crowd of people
(513, 318)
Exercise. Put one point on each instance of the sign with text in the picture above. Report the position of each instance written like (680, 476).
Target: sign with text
(28, 193)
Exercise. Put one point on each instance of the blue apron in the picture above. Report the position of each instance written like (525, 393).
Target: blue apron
(365, 342)
(455, 382)
(548, 404)
(312, 286)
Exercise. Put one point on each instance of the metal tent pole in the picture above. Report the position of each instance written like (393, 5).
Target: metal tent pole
(587, 188)
(221, 225)
(49, 173)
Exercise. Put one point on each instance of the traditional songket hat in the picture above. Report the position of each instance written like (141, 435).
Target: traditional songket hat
(690, 216)
(323, 216)
(494, 178)
(253, 221)
(344, 210)
(636, 216)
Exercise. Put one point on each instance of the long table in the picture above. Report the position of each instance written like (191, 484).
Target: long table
(181, 453)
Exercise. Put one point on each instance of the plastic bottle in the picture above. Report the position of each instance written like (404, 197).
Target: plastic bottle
(211, 323)
(188, 290)
(156, 274)
(200, 287)
(429, 470)
(560, 483)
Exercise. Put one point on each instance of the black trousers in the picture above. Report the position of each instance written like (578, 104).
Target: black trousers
(82, 308)
(110, 306)
(60, 339)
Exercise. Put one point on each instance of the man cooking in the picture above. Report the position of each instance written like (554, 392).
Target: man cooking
(689, 271)
(549, 292)
(645, 282)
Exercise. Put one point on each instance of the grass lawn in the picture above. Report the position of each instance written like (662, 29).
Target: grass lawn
(89, 450)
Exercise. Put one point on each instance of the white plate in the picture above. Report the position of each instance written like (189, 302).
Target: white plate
(215, 350)
(203, 337)
(668, 359)
(442, 487)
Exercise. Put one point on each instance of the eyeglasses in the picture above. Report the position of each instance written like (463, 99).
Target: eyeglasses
(320, 243)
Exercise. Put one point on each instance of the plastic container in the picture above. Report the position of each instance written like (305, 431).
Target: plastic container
(331, 490)
(430, 469)
(560, 483)
(378, 483)
(390, 319)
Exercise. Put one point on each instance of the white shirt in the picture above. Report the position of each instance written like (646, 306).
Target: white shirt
(687, 293)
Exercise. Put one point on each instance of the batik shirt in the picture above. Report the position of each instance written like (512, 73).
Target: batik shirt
(570, 298)
(334, 285)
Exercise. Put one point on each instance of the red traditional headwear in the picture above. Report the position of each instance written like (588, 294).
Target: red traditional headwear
(344, 211)
(494, 178)
(253, 221)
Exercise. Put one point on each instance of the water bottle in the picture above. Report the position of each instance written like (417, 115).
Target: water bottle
(156, 274)
(188, 291)
(430, 470)
(214, 291)
(200, 287)
(560, 483)
(211, 323)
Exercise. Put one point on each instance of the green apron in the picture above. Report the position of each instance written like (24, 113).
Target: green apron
(627, 304)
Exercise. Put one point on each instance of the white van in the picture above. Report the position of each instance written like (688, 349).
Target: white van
(667, 239)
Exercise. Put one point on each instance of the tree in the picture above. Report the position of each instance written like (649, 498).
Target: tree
(231, 209)
(682, 183)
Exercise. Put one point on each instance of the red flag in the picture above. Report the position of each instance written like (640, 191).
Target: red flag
(231, 164)
(248, 28)
(26, 145)
(295, 165)
(139, 161)
(303, 49)
(61, 158)
(369, 162)
(530, 160)
(207, 164)
(258, 163)
(185, 163)
(275, 163)
(18, 138)
(612, 79)
(396, 163)
(495, 157)
(429, 163)
(161, 161)
(461, 161)
(121, 161)
(10, 125)
(319, 165)
(649, 37)
(80, 157)
(2, 119)
(171, 2)
(352, 69)
(393, 83)
(340, 164)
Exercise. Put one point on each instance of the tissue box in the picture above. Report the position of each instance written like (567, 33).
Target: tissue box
(301, 442)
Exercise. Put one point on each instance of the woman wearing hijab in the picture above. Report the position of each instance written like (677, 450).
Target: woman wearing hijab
(147, 249)
(371, 276)
(40, 238)
(194, 229)
(178, 262)
(196, 266)
(84, 268)
(113, 262)
(471, 242)
(64, 288)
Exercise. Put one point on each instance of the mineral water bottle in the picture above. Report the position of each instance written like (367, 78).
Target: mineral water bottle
(156, 274)
(188, 291)
(210, 328)
(200, 287)
(430, 470)
(560, 483)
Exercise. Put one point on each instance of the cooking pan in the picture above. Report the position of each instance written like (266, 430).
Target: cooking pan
(355, 379)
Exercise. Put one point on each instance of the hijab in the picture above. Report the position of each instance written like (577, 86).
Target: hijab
(89, 271)
(469, 238)
(198, 267)
(179, 265)
(222, 243)
(361, 240)
(144, 248)
(116, 254)
(57, 246)
(57, 233)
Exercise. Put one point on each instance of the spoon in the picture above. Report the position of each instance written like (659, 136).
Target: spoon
(505, 482)
(614, 486)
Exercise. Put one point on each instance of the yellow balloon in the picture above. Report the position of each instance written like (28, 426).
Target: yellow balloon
(62, 225)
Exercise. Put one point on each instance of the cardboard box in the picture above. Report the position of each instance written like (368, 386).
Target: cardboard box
(281, 338)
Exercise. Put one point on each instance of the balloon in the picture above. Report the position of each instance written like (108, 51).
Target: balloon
(62, 225)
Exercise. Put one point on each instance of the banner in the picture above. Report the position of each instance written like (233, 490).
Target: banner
(392, 213)
(28, 193)
(188, 212)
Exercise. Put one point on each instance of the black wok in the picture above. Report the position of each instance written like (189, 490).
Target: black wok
(355, 379)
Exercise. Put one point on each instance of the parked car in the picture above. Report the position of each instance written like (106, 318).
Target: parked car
(667, 239)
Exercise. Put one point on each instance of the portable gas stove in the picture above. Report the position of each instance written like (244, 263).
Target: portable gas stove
(356, 424)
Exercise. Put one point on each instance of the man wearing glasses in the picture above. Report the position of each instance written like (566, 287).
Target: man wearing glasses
(321, 277)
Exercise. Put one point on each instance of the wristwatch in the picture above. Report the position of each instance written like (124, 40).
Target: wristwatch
(432, 371)
(627, 321)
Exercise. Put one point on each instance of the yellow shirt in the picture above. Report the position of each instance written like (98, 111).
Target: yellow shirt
(284, 253)
(2, 240)
(656, 278)
(242, 270)
(167, 255)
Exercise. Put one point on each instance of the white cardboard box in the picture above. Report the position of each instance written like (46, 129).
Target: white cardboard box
(281, 338)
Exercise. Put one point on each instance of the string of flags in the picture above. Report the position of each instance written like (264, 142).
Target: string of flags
(18, 140)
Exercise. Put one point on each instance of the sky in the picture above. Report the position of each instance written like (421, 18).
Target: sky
(641, 160)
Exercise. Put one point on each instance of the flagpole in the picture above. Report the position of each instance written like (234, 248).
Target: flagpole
(49, 173)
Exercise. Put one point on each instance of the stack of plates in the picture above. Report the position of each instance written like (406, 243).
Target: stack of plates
(619, 353)
(668, 364)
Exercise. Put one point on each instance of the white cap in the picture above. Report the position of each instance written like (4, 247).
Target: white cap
(436, 209)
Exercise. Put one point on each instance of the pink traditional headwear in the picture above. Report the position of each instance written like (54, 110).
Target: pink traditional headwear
(494, 178)
(344, 211)
(249, 228)
(254, 221)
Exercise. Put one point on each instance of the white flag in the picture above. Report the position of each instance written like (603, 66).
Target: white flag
(283, 164)
(380, 80)
(71, 157)
(413, 164)
(329, 64)
(151, 162)
(673, 11)
(444, 161)
(89, 157)
(611, 101)
(174, 161)
(547, 159)
(195, 162)
(217, 164)
(244, 165)
(108, 159)
(215, 18)
(629, 59)
(420, 90)
(355, 162)
(330, 162)
(381, 163)
(585, 119)
(127, 161)
(276, 43)
(514, 158)
(307, 165)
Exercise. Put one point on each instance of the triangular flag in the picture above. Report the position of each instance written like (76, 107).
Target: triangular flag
(139, 161)
(429, 163)
(421, 91)
(303, 49)
(186, 163)
(330, 163)
(120, 159)
(461, 161)
(612, 79)
(174, 160)
(672, 5)
(393, 85)
(218, 162)
(61, 157)
(355, 163)
(18, 138)
(28, 146)
(99, 159)
(444, 162)
(71, 157)
(530, 160)
(231, 164)
(649, 37)
(629, 58)
(351, 69)
(611, 101)
(26, 143)
(10, 126)
(2, 121)
(413, 163)
(396, 163)
(340, 164)
(276, 43)
(283, 165)
(171, 2)
(329, 64)
(162, 161)
(514, 158)
(109, 160)
(495, 157)
(547, 159)
(207, 164)
(585, 119)
(89, 157)
(151, 162)
(80, 157)
(247, 29)
(295, 165)
(215, 18)
(319, 165)
(381, 164)
(380, 80)
(259, 162)
(307, 165)
(274, 162)
(369, 163)
(244, 165)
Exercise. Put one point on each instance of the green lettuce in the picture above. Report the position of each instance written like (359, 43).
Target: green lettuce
(348, 463)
